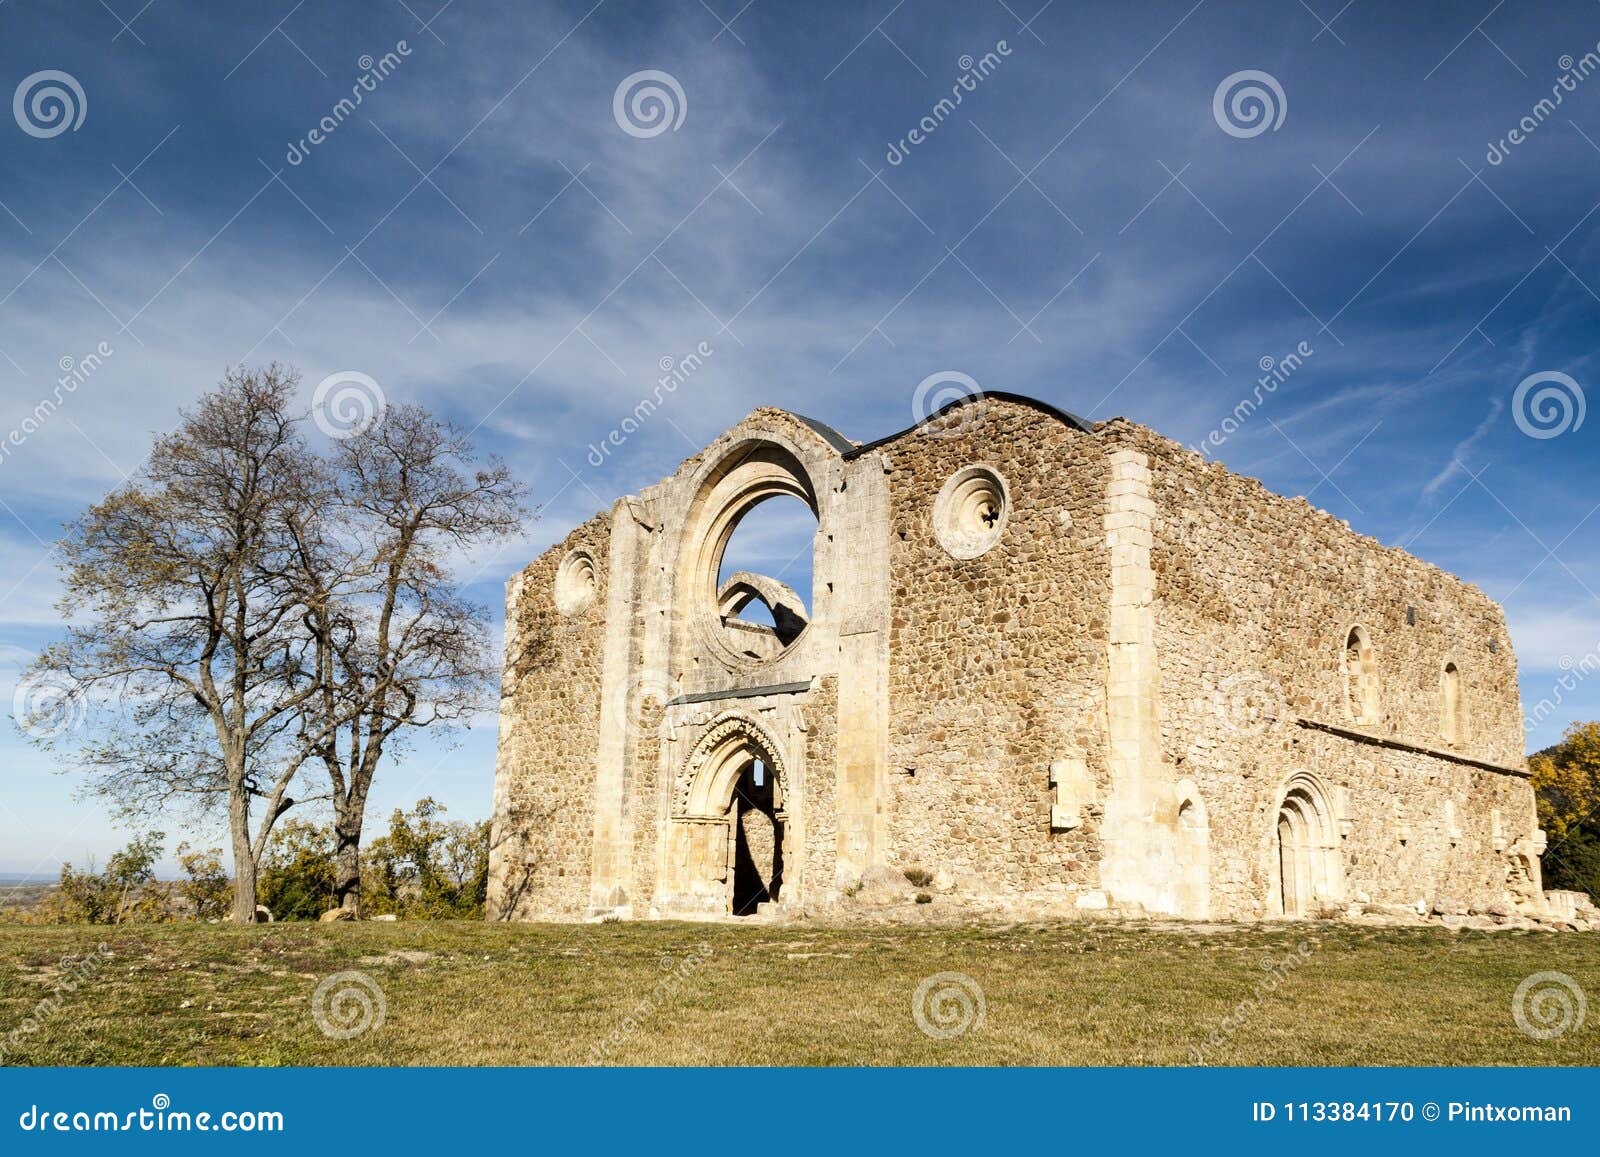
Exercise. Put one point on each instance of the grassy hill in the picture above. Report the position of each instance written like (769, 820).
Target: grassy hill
(671, 993)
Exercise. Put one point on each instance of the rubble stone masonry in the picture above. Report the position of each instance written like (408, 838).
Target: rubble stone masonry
(1050, 668)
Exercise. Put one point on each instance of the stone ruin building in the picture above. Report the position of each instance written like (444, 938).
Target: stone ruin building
(1049, 666)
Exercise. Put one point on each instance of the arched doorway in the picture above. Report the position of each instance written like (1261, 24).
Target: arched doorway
(732, 830)
(1306, 845)
(758, 824)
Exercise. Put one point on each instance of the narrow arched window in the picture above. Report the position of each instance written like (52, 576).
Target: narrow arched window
(1450, 704)
(1360, 677)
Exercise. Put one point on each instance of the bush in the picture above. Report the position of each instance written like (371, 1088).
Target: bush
(427, 868)
(424, 868)
(208, 890)
(295, 881)
(918, 876)
(1573, 863)
(125, 893)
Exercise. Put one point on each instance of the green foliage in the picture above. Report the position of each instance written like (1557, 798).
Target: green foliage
(296, 876)
(426, 867)
(125, 893)
(1572, 864)
(207, 888)
(1566, 779)
(1566, 782)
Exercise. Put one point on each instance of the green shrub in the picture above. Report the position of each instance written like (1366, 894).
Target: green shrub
(125, 893)
(427, 868)
(208, 890)
(295, 880)
(1573, 863)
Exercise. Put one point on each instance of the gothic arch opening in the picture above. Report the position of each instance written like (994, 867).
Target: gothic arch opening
(749, 551)
(764, 587)
(1450, 704)
(1306, 846)
(733, 824)
(758, 840)
(1360, 676)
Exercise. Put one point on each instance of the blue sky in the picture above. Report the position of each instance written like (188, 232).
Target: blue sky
(484, 236)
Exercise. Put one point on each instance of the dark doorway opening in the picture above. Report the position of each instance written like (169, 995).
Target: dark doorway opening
(758, 840)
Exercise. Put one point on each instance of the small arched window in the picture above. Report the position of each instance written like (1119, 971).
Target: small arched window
(1360, 676)
(1450, 704)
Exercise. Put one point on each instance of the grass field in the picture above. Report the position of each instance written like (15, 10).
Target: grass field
(665, 993)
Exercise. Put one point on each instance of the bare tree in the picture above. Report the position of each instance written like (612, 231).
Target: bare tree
(395, 646)
(180, 590)
(257, 609)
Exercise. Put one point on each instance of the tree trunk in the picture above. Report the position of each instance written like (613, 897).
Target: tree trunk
(347, 864)
(244, 861)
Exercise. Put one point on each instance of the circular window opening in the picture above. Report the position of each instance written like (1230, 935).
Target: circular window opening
(764, 578)
(576, 582)
(970, 513)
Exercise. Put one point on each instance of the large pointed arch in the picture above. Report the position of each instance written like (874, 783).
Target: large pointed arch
(730, 742)
(746, 474)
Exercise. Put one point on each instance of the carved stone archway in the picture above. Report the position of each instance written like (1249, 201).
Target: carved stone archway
(1307, 871)
(748, 474)
(711, 795)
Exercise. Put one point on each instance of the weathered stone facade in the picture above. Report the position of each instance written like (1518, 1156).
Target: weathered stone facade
(1055, 666)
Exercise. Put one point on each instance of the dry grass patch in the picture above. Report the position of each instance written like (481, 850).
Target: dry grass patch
(671, 993)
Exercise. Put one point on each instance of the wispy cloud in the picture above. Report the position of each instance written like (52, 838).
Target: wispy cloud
(482, 237)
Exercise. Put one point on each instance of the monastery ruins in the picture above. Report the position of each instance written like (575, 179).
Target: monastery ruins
(1055, 666)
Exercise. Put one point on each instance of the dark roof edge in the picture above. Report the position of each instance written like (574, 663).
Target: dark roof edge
(1060, 415)
(826, 432)
(741, 693)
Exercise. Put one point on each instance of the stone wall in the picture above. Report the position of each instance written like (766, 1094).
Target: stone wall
(1055, 668)
(997, 663)
(1256, 597)
(550, 718)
